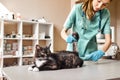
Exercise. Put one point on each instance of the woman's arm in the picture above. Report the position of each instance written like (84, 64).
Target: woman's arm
(64, 33)
(107, 42)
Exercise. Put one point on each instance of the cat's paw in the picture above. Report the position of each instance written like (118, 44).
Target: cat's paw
(36, 69)
(30, 68)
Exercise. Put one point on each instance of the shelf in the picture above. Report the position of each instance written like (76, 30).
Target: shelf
(45, 39)
(100, 40)
(26, 21)
(101, 37)
(10, 56)
(28, 56)
(11, 38)
(18, 39)
(29, 38)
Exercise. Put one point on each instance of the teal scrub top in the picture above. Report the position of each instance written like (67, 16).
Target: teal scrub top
(87, 29)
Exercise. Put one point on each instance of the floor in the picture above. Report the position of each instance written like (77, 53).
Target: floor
(101, 70)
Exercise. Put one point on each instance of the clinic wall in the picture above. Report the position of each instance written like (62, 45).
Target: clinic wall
(115, 19)
(118, 22)
(54, 11)
(113, 11)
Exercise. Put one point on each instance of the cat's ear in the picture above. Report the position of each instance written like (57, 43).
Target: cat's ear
(48, 49)
(37, 50)
(37, 46)
(49, 45)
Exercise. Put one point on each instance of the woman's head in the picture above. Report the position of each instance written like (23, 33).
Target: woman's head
(92, 6)
(100, 4)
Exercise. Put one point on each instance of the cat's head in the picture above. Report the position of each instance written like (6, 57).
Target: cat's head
(42, 51)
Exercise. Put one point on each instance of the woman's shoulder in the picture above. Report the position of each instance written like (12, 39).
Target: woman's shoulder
(105, 11)
(78, 5)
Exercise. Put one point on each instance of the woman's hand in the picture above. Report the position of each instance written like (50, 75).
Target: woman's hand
(96, 55)
(70, 39)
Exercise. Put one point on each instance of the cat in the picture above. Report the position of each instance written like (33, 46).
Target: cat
(46, 60)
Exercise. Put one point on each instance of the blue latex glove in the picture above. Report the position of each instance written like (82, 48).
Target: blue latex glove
(96, 55)
(70, 39)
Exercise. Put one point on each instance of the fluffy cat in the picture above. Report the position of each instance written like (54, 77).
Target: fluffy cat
(45, 60)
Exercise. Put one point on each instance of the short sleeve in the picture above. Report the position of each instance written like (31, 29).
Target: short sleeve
(106, 20)
(71, 18)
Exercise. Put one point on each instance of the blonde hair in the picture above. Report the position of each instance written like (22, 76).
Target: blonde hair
(87, 7)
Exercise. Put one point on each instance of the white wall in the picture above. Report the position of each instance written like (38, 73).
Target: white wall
(55, 11)
(118, 22)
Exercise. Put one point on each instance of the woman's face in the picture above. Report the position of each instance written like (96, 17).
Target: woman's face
(100, 4)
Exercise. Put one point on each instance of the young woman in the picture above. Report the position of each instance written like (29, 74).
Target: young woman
(88, 19)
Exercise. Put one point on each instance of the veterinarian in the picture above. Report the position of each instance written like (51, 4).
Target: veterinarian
(88, 19)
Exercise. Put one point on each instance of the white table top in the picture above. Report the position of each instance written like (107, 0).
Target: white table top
(102, 70)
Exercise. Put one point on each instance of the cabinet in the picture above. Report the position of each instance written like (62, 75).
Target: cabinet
(18, 39)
